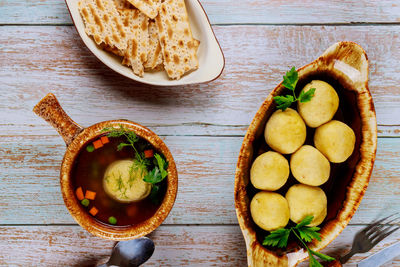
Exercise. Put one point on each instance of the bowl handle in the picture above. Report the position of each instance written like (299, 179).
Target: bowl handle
(51, 111)
(350, 60)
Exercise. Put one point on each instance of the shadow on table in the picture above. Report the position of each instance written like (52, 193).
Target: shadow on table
(89, 262)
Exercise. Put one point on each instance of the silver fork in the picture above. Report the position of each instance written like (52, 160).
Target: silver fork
(370, 236)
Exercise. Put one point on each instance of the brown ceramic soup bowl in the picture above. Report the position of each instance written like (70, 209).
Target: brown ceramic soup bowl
(345, 66)
(76, 137)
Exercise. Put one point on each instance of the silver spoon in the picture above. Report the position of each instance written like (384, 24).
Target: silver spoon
(131, 253)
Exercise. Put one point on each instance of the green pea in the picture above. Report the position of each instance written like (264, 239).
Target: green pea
(90, 148)
(112, 220)
(85, 202)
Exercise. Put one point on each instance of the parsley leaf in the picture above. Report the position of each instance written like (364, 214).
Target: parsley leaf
(162, 165)
(290, 81)
(306, 221)
(158, 173)
(279, 238)
(283, 102)
(153, 177)
(306, 96)
(308, 234)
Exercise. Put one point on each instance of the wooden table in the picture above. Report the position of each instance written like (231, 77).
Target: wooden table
(203, 125)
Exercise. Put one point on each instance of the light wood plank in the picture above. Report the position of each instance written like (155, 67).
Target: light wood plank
(206, 166)
(36, 60)
(226, 11)
(178, 129)
(72, 246)
(175, 246)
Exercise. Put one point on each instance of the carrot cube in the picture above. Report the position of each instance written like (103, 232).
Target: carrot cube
(97, 144)
(93, 211)
(90, 195)
(148, 153)
(132, 211)
(79, 193)
(104, 140)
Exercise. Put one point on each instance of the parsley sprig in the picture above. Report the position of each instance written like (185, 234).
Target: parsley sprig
(290, 81)
(304, 233)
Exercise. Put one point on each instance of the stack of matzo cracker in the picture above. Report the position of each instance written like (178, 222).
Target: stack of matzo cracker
(126, 28)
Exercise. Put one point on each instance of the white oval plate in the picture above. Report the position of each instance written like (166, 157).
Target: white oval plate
(211, 58)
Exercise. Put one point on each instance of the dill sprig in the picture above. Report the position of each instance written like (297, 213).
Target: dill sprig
(131, 138)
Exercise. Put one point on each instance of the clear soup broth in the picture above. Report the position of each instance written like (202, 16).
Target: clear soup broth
(88, 174)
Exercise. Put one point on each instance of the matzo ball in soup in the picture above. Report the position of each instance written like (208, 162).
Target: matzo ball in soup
(119, 178)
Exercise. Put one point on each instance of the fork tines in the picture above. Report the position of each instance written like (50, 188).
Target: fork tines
(382, 228)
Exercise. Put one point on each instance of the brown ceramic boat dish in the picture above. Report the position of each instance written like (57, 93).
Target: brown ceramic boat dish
(75, 138)
(345, 66)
